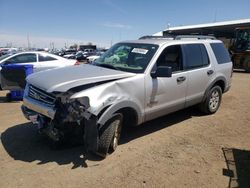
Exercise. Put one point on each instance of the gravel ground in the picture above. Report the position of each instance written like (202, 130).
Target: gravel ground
(184, 149)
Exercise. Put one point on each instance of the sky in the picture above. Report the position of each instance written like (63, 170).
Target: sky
(105, 22)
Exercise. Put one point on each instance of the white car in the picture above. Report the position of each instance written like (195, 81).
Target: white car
(70, 56)
(39, 60)
(92, 58)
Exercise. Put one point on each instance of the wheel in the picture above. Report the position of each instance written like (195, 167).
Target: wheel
(246, 64)
(109, 135)
(212, 101)
(117, 134)
(8, 97)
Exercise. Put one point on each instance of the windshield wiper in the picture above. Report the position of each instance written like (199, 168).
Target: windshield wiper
(107, 66)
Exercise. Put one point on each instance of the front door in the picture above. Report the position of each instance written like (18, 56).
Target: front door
(165, 95)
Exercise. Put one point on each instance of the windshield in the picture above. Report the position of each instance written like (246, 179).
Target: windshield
(129, 57)
(242, 39)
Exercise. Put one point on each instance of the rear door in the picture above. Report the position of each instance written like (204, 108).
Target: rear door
(200, 72)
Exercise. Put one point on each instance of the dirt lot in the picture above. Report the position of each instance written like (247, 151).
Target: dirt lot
(184, 149)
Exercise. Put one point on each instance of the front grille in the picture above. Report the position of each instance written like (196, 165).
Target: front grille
(41, 96)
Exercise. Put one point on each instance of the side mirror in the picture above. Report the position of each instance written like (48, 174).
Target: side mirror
(162, 71)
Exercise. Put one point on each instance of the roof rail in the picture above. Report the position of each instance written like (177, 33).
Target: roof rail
(199, 37)
(156, 37)
(178, 37)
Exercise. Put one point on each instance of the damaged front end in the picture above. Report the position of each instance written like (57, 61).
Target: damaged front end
(60, 117)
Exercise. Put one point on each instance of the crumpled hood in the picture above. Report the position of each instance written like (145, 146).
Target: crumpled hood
(63, 79)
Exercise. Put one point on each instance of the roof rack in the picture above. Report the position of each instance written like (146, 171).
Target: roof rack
(179, 37)
(199, 37)
(156, 37)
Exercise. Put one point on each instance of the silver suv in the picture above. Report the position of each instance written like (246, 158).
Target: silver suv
(133, 82)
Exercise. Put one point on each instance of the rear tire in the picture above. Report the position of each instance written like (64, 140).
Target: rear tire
(246, 64)
(212, 101)
(109, 135)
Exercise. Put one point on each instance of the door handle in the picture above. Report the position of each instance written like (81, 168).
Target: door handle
(210, 72)
(181, 79)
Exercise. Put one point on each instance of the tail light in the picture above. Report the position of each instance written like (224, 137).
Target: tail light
(77, 63)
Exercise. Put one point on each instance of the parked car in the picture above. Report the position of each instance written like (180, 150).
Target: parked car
(5, 51)
(69, 53)
(80, 56)
(155, 78)
(70, 56)
(39, 60)
(64, 52)
(94, 57)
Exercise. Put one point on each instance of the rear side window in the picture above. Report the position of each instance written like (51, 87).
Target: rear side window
(22, 58)
(196, 56)
(220, 53)
(45, 58)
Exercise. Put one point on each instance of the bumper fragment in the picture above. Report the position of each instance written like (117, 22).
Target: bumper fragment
(39, 107)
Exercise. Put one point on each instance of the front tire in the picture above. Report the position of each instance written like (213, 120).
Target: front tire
(212, 101)
(8, 97)
(109, 135)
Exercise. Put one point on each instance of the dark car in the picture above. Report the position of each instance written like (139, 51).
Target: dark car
(81, 56)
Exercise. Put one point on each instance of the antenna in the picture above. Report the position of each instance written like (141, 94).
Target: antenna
(215, 15)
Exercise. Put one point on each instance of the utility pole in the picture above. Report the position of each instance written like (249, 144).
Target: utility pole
(28, 40)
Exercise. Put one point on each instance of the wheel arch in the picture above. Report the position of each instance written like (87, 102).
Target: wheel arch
(220, 81)
(127, 108)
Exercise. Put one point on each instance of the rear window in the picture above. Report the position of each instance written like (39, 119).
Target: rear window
(220, 53)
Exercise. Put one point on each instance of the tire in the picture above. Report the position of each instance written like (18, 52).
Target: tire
(109, 135)
(246, 64)
(212, 101)
(8, 97)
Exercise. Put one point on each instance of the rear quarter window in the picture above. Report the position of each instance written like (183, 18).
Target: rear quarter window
(220, 53)
(45, 58)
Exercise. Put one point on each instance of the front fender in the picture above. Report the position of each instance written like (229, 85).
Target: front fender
(118, 106)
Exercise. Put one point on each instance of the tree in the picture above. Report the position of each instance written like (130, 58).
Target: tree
(74, 46)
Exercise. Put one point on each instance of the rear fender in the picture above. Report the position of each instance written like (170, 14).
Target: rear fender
(212, 84)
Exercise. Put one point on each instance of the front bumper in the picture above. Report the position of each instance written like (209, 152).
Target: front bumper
(38, 107)
(27, 112)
